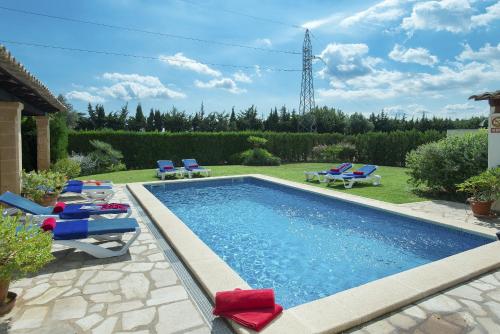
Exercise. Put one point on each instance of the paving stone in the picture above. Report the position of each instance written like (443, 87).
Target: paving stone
(462, 319)
(435, 324)
(23, 282)
(31, 318)
(162, 265)
(489, 325)
(35, 291)
(495, 295)
(69, 308)
(163, 277)
(467, 292)
(106, 297)
(402, 321)
(167, 295)
(84, 277)
(106, 327)
(72, 292)
(138, 249)
(64, 275)
(106, 276)
(171, 317)
(48, 296)
(440, 304)
(482, 286)
(134, 319)
(474, 307)
(134, 286)
(138, 267)
(100, 287)
(202, 330)
(494, 308)
(96, 308)
(89, 321)
(415, 312)
(125, 306)
(156, 257)
(490, 279)
(379, 327)
(63, 282)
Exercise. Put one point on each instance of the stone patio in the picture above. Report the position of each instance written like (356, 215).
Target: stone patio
(141, 292)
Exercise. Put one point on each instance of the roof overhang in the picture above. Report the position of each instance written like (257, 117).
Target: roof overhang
(18, 85)
(486, 96)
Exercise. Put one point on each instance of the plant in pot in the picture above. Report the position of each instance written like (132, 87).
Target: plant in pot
(484, 189)
(43, 187)
(24, 248)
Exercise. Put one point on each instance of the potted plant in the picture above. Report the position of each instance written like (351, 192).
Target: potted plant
(484, 189)
(24, 248)
(43, 187)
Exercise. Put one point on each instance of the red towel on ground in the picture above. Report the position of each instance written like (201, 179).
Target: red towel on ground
(49, 224)
(59, 207)
(255, 319)
(113, 206)
(358, 173)
(241, 300)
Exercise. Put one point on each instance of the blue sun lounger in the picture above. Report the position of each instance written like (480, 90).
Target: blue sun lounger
(89, 183)
(71, 211)
(191, 166)
(70, 233)
(310, 176)
(166, 167)
(91, 192)
(364, 173)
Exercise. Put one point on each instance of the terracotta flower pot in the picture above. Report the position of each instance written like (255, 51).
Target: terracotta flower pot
(48, 200)
(482, 209)
(7, 299)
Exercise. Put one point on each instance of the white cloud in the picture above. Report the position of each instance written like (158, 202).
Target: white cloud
(266, 42)
(314, 24)
(487, 53)
(242, 77)
(418, 55)
(222, 83)
(408, 111)
(258, 71)
(345, 61)
(459, 107)
(135, 86)
(445, 15)
(183, 62)
(387, 10)
(84, 96)
(492, 13)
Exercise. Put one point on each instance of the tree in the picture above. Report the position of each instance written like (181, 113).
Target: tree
(72, 116)
(150, 122)
(359, 124)
(138, 122)
(232, 126)
(158, 120)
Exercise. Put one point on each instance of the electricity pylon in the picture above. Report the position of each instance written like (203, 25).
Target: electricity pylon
(307, 119)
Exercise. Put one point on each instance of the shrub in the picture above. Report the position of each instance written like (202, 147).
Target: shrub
(484, 187)
(337, 152)
(257, 141)
(69, 167)
(88, 165)
(441, 165)
(143, 149)
(107, 159)
(259, 157)
(23, 248)
(36, 185)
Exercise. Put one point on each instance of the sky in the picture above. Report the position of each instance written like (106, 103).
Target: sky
(405, 57)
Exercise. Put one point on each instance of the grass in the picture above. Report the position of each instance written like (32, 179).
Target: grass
(394, 187)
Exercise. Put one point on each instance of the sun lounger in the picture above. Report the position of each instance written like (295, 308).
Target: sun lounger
(191, 166)
(69, 211)
(310, 176)
(70, 233)
(89, 183)
(364, 173)
(93, 193)
(165, 168)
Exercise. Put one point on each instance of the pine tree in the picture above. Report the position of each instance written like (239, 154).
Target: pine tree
(233, 126)
(158, 120)
(150, 122)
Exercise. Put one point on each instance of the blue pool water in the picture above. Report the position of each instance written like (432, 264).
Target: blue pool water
(303, 245)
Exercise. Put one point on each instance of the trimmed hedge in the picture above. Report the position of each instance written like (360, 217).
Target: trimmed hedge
(143, 149)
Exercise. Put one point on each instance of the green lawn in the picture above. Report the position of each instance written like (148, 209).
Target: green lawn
(394, 187)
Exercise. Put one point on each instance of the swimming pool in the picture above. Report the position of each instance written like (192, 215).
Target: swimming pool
(304, 245)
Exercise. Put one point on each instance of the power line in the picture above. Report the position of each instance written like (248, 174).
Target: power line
(113, 53)
(259, 18)
(168, 35)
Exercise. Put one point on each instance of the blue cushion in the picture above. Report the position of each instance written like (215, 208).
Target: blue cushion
(24, 204)
(73, 189)
(74, 183)
(69, 230)
(109, 226)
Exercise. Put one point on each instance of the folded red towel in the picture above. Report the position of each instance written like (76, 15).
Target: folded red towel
(49, 224)
(168, 168)
(243, 300)
(59, 207)
(358, 173)
(194, 166)
(335, 170)
(255, 319)
(113, 206)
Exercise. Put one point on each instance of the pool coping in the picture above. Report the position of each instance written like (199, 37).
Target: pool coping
(342, 310)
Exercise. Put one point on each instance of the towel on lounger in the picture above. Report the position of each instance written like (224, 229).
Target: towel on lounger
(73, 189)
(74, 183)
(59, 207)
